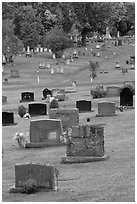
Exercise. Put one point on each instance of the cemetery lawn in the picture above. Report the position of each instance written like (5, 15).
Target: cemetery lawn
(112, 180)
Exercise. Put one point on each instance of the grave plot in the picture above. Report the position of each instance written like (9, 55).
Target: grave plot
(4, 99)
(27, 96)
(46, 92)
(112, 91)
(83, 106)
(126, 97)
(106, 108)
(31, 177)
(45, 133)
(85, 144)
(36, 109)
(8, 118)
(68, 116)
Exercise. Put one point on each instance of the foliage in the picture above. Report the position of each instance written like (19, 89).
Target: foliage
(57, 41)
(98, 92)
(30, 186)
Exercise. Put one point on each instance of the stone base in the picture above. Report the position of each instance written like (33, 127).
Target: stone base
(125, 107)
(14, 189)
(82, 159)
(86, 111)
(43, 144)
(99, 115)
(9, 124)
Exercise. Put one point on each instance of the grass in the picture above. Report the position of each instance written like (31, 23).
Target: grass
(107, 181)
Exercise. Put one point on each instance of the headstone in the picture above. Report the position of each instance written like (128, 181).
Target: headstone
(36, 109)
(45, 132)
(14, 73)
(126, 97)
(4, 99)
(85, 143)
(27, 96)
(106, 108)
(54, 104)
(117, 66)
(46, 92)
(119, 42)
(83, 105)
(8, 118)
(68, 116)
(112, 91)
(59, 94)
(44, 177)
(103, 47)
(132, 59)
(21, 111)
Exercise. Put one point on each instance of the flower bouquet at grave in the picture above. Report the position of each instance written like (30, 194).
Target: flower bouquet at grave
(30, 186)
(21, 138)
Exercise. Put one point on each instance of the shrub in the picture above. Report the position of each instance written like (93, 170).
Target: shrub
(98, 92)
(30, 186)
(21, 111)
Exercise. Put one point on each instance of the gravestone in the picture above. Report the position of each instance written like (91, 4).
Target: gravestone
(106, 108)
(14, 73)
(27, 96)
(54, 104)
(126, 97)
(46, 92)
(132, 59)
(119, 42)
(36, 109)
(85, 143)
(112, 91)
(8, 118)
(68, 116)
(44, 176)
(59, 94)
(45, 132)
(83, 105)
(4, 99)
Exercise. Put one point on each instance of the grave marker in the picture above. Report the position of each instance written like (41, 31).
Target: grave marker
(8, 118)
(85, 144)
(68, 116)
(44, 176)
(4, 99)
(106, 108)
(45, 132)
(83, 105)
(27, 96)
(36, 109)
(46, 92)
(126, 97)
(112, 91)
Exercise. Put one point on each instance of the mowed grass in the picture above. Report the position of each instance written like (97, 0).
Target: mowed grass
(107, 181)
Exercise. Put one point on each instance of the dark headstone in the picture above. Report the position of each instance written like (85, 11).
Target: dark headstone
(37, 109)
(7, 118)
(4, 99)
(126, 97)
(119, 42)
(27, 96)
(45, 176)
(21, 111)
(83, 105)
(46, 92)
(54, 104)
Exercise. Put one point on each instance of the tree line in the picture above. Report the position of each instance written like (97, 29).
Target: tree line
(31, 23)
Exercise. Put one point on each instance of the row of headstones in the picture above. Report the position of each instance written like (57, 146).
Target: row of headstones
(104, 108)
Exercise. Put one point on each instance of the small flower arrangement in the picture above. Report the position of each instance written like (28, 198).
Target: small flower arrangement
(30, 186)
(21, 139)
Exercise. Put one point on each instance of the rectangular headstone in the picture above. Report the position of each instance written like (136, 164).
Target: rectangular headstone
(106, 109)
(4, 99)
(45, 130)
(112, 91)
(37, 109)
(45, 176)
(68, 116)
(83, 105)
(87, 140)
(7, 118)
(27, 96)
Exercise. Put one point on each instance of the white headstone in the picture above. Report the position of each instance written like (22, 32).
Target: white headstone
(52, 71)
